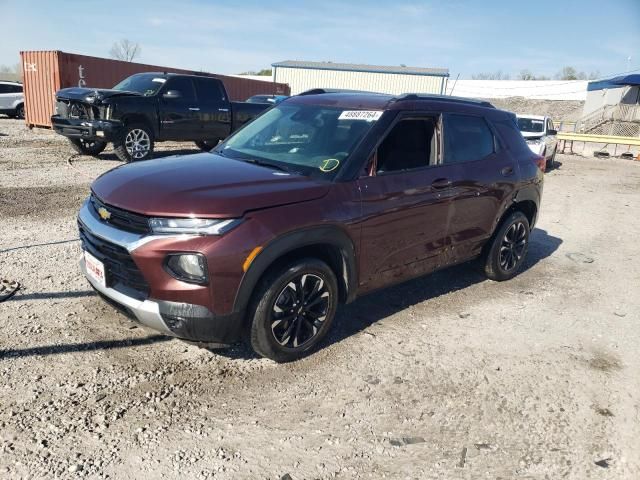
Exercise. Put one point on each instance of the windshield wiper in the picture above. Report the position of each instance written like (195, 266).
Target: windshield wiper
(262, 163)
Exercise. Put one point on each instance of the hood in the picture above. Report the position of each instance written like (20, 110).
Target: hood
(87, 94)
(203, 185)
(532, 135)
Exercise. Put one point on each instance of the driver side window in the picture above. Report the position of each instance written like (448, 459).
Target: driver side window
(184, 85)
(411, 144)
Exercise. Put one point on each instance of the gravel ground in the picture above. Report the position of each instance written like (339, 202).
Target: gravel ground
(567, 110)
(451, 376)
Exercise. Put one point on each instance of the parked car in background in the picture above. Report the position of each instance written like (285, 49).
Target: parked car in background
(12, 99)
(147, 108)
(272, 99)
(324, 198)
(541, 136)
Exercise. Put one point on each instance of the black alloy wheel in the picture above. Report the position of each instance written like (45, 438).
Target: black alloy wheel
(299, 311)
(514, 244)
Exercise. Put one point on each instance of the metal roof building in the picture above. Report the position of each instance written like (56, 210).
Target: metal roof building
(394, 80)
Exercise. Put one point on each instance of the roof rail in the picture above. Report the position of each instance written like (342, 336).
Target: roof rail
(320, 91)
(445, 98)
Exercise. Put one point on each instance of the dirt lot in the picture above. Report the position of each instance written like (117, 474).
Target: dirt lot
(451, 376)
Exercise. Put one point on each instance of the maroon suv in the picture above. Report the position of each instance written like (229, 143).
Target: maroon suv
(323, 198)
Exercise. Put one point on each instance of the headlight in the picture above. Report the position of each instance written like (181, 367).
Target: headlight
(188, 267)
(197, 226)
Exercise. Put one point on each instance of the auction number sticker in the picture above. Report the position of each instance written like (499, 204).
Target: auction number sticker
(367, 115)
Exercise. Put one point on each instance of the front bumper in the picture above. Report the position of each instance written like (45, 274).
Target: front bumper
(105, 130)
(185, 320)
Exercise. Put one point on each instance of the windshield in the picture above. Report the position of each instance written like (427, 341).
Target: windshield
(144, 83)
(306, 139)
(531, 125)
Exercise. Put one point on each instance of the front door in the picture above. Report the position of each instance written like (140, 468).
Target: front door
(405, 204)
(178, 110)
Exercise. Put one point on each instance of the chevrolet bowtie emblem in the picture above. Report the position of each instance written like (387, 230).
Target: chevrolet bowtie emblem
(104, 213)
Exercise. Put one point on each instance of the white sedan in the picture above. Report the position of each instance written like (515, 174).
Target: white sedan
(540, 135)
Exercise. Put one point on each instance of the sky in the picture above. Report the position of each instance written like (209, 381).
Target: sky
(226, 36)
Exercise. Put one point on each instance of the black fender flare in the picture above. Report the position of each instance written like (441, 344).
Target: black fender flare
(331, 236)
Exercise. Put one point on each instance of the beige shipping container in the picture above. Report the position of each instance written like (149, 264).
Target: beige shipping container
(46, 72)
(301, 76)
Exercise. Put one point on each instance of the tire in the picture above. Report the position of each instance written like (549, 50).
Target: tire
(136, 143)
(512, 235)
(552, 160)
(88, 147)
(298, 333)
(19, 113)
(207, 145)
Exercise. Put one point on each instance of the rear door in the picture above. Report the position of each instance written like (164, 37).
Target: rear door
(482, 176)
(214, 114)
(404, 207)
(178, 119)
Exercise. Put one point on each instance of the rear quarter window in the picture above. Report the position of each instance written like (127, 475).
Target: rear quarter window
(508, 130)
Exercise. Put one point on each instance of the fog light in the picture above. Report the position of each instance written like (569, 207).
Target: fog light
(188, 267)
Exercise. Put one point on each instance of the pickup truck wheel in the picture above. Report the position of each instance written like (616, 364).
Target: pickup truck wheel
(88, 147)
(136, 143)
(293, 310)
(207, 145)
(508, 248)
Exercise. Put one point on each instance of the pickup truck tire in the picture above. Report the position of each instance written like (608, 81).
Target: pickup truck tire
(88, 147)
(136, 143)
(207, 145)
(293, 309)
(508, 248)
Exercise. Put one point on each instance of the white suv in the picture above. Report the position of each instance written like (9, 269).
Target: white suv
(540, 135)
(11, 99)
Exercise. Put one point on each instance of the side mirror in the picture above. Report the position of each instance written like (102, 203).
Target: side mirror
(171, 94)
(551, 131)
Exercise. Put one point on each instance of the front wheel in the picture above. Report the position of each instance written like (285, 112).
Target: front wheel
(293, 310)
(206, 145)
(136, 143)
(88, 147)
(508, 248)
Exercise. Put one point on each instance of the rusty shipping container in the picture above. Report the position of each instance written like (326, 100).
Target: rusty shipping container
(46, 72)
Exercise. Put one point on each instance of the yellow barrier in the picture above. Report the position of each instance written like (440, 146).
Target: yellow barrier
(585, 137)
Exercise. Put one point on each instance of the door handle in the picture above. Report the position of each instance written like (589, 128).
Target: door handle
(507, 171)
(223, 109)
(194, 109)
(441, 184)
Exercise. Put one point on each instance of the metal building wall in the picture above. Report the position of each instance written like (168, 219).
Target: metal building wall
(46, 72)
(301, 79)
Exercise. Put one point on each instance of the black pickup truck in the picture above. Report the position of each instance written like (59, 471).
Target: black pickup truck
(146, 108)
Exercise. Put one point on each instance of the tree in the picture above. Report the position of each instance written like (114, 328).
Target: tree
(265, 72)
(491, 76)
(125, 50)
(526, 75)
(5, 69)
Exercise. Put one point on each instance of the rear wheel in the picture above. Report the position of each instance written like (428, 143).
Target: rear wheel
(135, 144)
(207, 145)
(293, 310)
(508, 248)
(88, 147)
(19, 113)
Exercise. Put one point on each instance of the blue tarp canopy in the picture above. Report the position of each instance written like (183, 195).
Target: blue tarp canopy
(616, 82)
